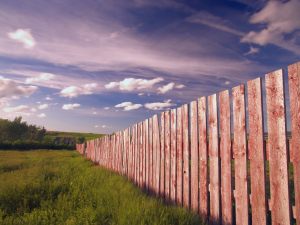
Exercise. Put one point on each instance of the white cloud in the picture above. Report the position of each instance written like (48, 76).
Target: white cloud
(132, 84)
(20, 110)
(42, 115)
(43, 106)
(252, 51)
(74, 91)
(96, 126)
(164, 89)
(17, 109)
(104, 126)
(280, 18)
(11, 89)
(227, 82)
(42, 77)
(94, 113)
(70, 106)
(48, 98)
(127, 106)
(180, 86)
(23, 36)
(159, 105)
(106, 108)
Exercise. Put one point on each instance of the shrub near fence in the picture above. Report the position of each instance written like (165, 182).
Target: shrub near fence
(188, 156)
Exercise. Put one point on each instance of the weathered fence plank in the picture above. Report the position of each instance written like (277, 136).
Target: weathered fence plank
(203, 177)
(240, 157)
(167, 154)
(156, 149)
(186, 156)
(194, 157)
(256, 153)
(294, 89)
(150, 155)
(147, 154)
(279, 203)
(225, 155)
(179, 156)
(214, 176)
(173, 156)
(162, 154)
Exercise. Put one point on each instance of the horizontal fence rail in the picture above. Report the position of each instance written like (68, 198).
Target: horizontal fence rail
(227, 156)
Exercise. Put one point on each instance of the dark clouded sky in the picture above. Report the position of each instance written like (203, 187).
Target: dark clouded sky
(100, 66)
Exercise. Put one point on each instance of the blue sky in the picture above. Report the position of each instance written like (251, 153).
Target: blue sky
(99, 66)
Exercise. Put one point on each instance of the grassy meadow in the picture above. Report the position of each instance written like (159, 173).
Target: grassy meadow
(61, 187)
(87, 136)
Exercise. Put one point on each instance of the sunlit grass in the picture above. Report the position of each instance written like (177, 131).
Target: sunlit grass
(60, 187)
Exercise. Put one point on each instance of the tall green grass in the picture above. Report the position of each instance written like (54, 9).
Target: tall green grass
(60, 187)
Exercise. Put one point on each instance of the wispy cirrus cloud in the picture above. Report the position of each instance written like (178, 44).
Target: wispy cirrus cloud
(213, 21)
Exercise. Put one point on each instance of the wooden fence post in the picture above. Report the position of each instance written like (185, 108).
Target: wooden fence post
(279, 203)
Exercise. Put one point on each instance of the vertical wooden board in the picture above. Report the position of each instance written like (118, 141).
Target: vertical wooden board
(214, 176)
(239, 153)
(147, 154)
(256, 152)
(162, 154)
(279, 203)
(173, 156)
(150, 155)
(141, 154)
(144, 154)
(225, 153)
(294, 90)
(156, 143)
(203, 184)
(167, 154)
(135, 154)
(154, 154)
(186, 156)
(194, 157)
(179, 157)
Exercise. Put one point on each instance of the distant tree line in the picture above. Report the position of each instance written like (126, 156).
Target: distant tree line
(17, 134)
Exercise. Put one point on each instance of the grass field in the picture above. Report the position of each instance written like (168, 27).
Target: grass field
(87, 136)
(60, 187)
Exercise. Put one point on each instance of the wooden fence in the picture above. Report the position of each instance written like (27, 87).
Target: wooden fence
(212, 155)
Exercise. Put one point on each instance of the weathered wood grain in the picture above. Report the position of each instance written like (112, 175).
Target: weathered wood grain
(162, 155)
(279, 203)
(156, 144)
(186, 156)
(225, 154)
(179, 156)
(173, 156)
(167, 154)
(294, 90)
(256, 152)
(214, 176)
(150, 155)
(194, 157)
(240, 157)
